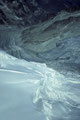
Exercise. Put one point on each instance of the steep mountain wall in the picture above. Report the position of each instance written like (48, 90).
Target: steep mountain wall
(46, 42)
(29, 12)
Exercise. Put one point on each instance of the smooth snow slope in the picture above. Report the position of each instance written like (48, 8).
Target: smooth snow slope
(18, 82)
(32, 91)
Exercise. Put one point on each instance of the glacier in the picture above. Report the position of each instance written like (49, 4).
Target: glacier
(32, 91)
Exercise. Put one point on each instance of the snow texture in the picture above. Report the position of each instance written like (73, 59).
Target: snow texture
(23, 83)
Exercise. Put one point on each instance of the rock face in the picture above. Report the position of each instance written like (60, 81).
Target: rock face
(55, 42)
(21, 13)
(66, 55)
(29, 12)
(55, 6)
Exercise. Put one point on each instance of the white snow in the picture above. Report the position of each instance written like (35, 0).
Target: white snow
(32, 91)
(18, 82)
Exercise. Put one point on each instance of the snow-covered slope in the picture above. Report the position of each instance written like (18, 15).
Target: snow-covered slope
(58, 96)
(18, 82)
(23, 83)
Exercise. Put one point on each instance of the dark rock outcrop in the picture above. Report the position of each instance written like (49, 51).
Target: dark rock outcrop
(29, 12)
(22, 13)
